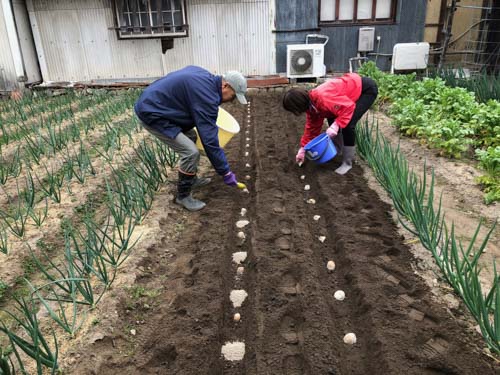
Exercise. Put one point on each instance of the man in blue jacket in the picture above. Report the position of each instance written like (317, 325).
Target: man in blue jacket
(171, 107)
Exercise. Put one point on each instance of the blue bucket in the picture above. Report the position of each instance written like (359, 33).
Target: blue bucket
(321, 149)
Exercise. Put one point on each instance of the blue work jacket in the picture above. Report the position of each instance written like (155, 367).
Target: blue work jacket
(184, 99)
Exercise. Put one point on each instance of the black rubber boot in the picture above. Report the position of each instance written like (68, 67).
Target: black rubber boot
(184, 197)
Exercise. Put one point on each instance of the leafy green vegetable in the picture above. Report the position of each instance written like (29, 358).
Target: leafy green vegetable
(448, 119)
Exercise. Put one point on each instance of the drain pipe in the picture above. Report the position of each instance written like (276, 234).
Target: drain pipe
(15, 47)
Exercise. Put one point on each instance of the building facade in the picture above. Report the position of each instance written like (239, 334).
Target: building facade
(140, 40)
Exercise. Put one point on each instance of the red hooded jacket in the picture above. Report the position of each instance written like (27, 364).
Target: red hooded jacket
(336, 98)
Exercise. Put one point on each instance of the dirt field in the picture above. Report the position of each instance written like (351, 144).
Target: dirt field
(170, 312)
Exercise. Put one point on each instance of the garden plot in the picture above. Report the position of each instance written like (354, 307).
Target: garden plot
(68, 216)
(50, 188)
(246, 286)
(462, 201)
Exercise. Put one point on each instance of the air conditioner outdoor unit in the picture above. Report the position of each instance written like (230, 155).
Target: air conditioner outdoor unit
(305, 60)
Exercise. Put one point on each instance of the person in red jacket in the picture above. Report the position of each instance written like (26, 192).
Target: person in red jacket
(342, 101)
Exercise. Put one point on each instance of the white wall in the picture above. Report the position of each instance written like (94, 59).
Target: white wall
(30, 59)
(74, 43)
(8, 76)
(227, 35)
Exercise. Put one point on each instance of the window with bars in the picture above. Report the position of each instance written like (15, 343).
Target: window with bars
(150, 18)
(357, 11)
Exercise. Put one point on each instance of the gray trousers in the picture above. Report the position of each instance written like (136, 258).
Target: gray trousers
(184, 145)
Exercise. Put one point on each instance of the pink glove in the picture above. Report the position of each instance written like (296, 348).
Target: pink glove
(333, 130)
(300, 155)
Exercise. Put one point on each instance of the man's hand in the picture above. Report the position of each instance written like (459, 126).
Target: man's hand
(230, 179)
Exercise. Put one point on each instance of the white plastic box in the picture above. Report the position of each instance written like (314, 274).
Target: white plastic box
(410, 56)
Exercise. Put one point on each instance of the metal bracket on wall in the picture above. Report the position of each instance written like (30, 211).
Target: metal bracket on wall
(166, 44)
(359, 59)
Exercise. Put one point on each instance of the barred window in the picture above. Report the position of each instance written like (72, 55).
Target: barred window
(357, 11)
(150, 18)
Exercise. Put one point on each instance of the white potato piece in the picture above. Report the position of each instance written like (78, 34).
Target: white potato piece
(350, 339)
(330, 265)
(242, 223)
(339, 295)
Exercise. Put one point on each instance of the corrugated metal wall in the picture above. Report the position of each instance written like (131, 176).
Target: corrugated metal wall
(30, 59)
(74, 44)
(227, 35)
(8, 78)
(343, 44)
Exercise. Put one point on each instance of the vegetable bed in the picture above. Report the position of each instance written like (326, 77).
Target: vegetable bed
(321, 281)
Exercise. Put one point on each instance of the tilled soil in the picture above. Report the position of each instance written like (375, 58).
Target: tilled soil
(291, 323)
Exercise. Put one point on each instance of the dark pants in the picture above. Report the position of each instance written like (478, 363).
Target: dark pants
(369, 92)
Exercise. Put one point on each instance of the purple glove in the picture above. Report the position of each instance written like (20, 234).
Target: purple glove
(230, 179)
(333, 130)
(299, 158)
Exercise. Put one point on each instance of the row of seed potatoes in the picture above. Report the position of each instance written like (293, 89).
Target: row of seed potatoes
(339, 295)
(235, 350)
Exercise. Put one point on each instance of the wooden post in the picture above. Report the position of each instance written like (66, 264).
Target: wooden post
(447, 32)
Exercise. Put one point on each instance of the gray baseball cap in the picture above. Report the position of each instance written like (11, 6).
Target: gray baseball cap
(238, 83)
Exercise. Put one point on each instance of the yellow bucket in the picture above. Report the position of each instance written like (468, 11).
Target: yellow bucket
(228, 127)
